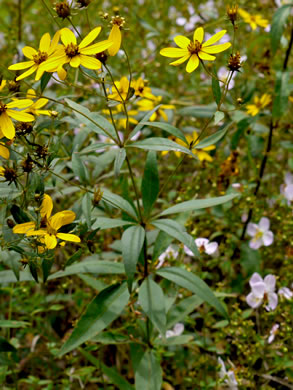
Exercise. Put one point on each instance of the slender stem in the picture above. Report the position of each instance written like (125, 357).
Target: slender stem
(285, 64)
(73, 26)
(145, 254)
(135, 189)
(50, 12)
(87, 18)
(171, 176)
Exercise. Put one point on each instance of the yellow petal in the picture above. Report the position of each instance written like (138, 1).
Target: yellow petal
(173, 52)
(20, 116)
(182, 41)
(4, 152)
(50, 241)
(40, 103)
(97, 47)
(198, 35)
(90, 37)
(75, 61)
(21, 65)
(36, 233)
(23, 228)
(203, 156)
(61, 73)
(52, 64)
(192, 64)
(62, 218)
(90, 62)
(31, 94)
(214, 38)
(204, 56)
(68, 237)
(29, 52)
(243, 13)
(216, 48)
(45, 42)
(116, 37)
(67, 36)
(27, 73)
(23, 103)
(54, 43)
(46, 206)
(7, 126)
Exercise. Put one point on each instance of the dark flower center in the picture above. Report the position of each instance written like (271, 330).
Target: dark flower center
(72, 50)
(3, 108)
(40, 57)
(194, 47)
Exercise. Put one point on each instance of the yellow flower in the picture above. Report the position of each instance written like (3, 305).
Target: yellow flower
(259, 104)
(115, 34)
(4, 152)
(36, 58)
(122, 121)
(49, 225)
(150, 104)
(120, 90)
(200, 153)
(2, 84)
(74, 54)
(7, 128)
(253, 20)
(140, 88)
(35, 107)
(195, 51)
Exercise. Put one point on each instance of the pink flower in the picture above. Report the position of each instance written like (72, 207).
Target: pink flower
(260, 233)
(262, 289)
(286, 189)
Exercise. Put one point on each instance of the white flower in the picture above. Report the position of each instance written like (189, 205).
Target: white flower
(223, 74)
(204, 245)
(228, 376)
(262, 289)
(286, 189)
(176, 331)
(273, 333)
(168, 253)
(285, 292)
(260, 233)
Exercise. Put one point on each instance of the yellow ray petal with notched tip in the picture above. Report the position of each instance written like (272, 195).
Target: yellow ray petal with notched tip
(216, 48)
(20, 116)
(29, 52)
(24, 228)
(214, 38)
(89, 62)
(4, 152)
(116, 37)
(67, 36)
(96, 47)
(182, 41)
(207, 57)
(174, 52)
(192, 64)
(68, 237)
(50, 241)
(90, 37)
(27, 73)
(7, 126)
(21, 65)
(45, 42)
(17, 103)
(46, 206)
(181, 60)
(198, 35)
(75, 61)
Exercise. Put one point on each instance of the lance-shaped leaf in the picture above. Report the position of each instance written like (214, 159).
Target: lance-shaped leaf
(132, 242)
(216, 87)
(175, 230)
(79, 168)
(150, 182)
(152, 301)
(109, 223)
(103, 309)
(213, 139)
(282, 92)
(160, 144)
(278, 25)
(119, 160)
(194, 284)
(168, 128)
(199, 111)
(118, 202)
(198, 204)
(148, 375)
(140, 124)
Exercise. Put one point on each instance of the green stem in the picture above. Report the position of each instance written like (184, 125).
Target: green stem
(135, 188)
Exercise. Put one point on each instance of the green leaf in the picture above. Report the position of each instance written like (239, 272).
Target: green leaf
(44, 80)
(152, 301)
(175, 340)
(72, 259)
(13, 324)
(161, 244)
(216, 87)
(168, 128)
(148, 375)
(132, 241)
(79, 168)
(92, 120)
(91, 266)
(18, 214)
(86, 206)
(118, 202)
(194, 284)
(5, 346)
(160, 144)
(140, 124)
(282, 92)
(10, 192)
(214, 138)
(218, 117)
(7, 277)
(278, 25)
(176, 231)
(198, 111)
(119, 160)
(178, 312)
(109, 223)
(103, 309)
(150, 182)
(94, 147)
(46, 268)
(197, 204)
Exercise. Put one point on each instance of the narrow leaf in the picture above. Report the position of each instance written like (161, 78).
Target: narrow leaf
(148, 375)
(118, 202)
(150, 182)
(214, 138)
(78, 167)
(160, 144)
(109, 223)
(119, 160)
(278, 25)
(86, 206)
(140, 124)
(216, 87)
(282, 92)
(168, 128)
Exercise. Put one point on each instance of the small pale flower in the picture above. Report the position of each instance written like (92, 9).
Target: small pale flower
(204, 246)
(262, 290)
(285, 292)
(286, 189)
(228, 376)
(260, 233)
(273, 333)
(167, 254)
(176, 331)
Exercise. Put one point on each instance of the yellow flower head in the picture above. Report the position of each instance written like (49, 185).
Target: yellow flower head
(37, 57)
(141, 89)
(150, 104)
(35, 107)
(195, 50)
(259, 104)
(2, 84)
(50, 225)
(7, 128)
(115, 34)
(120, 90)
(253, 20)
(75, 55)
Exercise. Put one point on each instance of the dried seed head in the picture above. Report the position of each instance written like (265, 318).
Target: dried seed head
(10, 223)
(102, 57)
(232, 13)
(62, 9)
(98, 194)
(27, 164)
(13, 86)
(41, 151)
(10, 175)
(234, 63)
(118, 20)
(23, 128)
